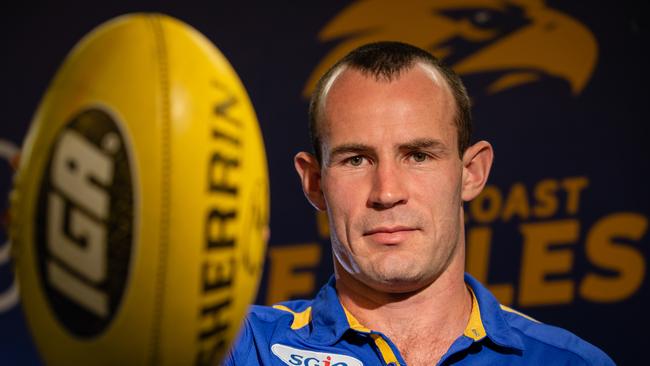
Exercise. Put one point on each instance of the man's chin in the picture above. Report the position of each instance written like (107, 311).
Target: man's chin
(399, 283)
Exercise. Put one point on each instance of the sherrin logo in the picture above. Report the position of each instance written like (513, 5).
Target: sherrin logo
(85, 222)
(298, 357)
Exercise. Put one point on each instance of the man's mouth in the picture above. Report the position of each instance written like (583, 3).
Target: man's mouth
(389, 234)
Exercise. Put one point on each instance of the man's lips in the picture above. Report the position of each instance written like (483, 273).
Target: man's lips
(388, 229)
(389, 234)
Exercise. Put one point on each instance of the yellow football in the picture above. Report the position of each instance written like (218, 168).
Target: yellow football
(140, 207)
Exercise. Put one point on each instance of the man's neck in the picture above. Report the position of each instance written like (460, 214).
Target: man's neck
(427, 320)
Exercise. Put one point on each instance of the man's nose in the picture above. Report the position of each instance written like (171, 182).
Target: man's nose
(388, 187)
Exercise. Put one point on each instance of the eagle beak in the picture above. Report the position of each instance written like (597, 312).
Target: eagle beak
(555, 44)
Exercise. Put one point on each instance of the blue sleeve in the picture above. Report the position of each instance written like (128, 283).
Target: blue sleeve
(599, 358)
(241, 347)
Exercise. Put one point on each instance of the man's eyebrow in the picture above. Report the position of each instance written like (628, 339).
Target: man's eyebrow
(423, 144)
(416, 144)
(351, 148)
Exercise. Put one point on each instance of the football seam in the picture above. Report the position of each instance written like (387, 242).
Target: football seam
(165, 194)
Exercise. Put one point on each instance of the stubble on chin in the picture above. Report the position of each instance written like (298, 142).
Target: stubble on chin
(393, 276)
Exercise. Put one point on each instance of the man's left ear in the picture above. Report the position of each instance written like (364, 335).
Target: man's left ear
(477, 161)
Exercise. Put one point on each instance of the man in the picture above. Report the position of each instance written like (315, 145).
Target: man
(392, 166)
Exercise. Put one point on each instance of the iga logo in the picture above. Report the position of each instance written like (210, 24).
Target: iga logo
(298, 357)
(85, 222)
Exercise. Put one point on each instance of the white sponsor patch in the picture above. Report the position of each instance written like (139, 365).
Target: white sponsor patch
(299, 357)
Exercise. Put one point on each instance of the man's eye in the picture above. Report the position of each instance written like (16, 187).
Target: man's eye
(355, 160)
(419, 157)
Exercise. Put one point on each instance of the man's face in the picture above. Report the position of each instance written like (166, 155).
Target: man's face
(391, 178)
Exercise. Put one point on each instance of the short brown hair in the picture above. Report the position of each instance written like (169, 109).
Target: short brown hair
(385, 61)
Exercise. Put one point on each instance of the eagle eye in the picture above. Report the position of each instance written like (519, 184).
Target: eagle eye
(502, 20)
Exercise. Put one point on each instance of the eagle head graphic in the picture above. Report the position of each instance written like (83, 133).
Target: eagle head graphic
(517, 41)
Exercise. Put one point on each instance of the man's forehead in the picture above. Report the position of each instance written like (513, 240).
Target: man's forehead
(394, 113)
(350, 89)
(420, 87)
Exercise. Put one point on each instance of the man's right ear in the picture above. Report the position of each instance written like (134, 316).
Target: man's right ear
(308, 169)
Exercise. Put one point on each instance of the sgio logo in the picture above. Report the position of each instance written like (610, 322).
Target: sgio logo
(298, 357)
(85, 222)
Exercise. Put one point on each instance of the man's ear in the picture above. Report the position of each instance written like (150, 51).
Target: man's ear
(308, 169)
(477, 162)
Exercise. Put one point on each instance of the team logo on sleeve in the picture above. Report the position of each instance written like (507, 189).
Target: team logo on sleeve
(299, 357)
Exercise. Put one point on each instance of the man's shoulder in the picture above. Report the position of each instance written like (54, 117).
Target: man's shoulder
(265, 325)
(294, 312)
(550, 341)
(537, 342)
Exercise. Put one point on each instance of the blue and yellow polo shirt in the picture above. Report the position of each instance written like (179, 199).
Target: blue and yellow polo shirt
(321, 332)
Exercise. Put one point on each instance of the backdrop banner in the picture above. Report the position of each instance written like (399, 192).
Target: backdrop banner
(559, 89)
